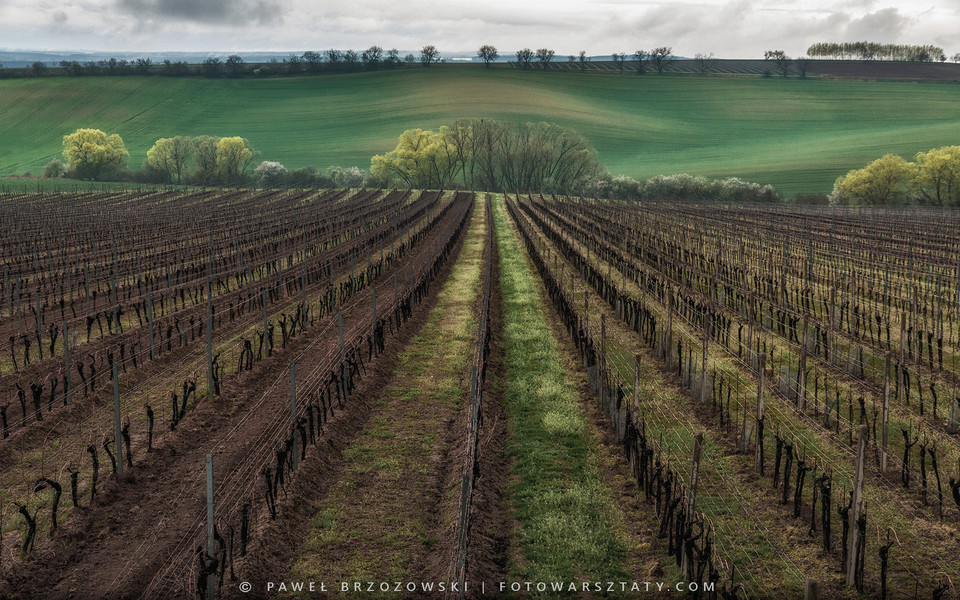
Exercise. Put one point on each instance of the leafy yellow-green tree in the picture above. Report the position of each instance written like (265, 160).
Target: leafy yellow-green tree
(233, 158)
(936, 176)
(205, 151)
(170, 156)
(92, 154)
(422, 159)
(490, 155)
(884, 181)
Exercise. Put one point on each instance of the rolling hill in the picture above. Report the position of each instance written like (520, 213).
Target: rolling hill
(798, 135)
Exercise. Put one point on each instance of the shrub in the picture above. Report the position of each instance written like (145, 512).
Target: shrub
(270, 174)
(349, 177)
(54, 169)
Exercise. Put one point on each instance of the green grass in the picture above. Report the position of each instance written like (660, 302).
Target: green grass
(393, 464)
(797, 135)
(570, 527)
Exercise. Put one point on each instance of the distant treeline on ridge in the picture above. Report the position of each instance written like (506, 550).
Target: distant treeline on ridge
(875, 51)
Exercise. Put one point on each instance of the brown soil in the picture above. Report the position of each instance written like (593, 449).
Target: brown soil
(115, 547)
(491, 526)
(281, 540)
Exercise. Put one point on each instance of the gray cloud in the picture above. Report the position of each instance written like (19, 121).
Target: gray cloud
(210, 12)
(885, 25)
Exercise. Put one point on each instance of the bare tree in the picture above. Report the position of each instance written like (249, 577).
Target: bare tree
(956, 57)
(372, 57)
(544, 56)
(334, 58)
(211, 67)
(234, 65)
(803, 63)
(583, 60)
(661, 57)
(143, 66)
(487, 54)
(313, 60)
(429, 55)
(350, 59)
(618, 59)
(393, 58)
(702, 61)
(293, 64)
(780, 58)
(641, 57)
(524, 57)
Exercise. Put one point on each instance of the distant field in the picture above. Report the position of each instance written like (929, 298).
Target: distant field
(797, 135)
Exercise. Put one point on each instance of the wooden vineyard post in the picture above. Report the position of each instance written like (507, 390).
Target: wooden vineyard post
(293, 411)
(211, 541)
(903, 335)
(303, 291)
(886, 412)
(150, 324)
(952, 423)
(39, 334)
(761, 388)
(586, 311)
(856, 507)
(810, 589)
(668, 334)
(266, 338)
(636, 383)
(67, 392)
(19, 312)
(602, 363)
(833, 323)
(343, 361)
(703, 366)
(396, 292)
(210, 389)
(116, 419)
(686, 568)
(802, 370)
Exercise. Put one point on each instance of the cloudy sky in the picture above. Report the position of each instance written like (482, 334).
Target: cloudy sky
(727, 28)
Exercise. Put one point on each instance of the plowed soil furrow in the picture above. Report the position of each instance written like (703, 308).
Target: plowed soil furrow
(147, 512)
(385, 517)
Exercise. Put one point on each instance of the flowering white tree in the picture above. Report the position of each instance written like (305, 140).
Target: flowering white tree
(270, 173)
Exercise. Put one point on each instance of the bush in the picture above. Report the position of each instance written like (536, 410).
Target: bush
(350, 177)
(55, 169)
(307, 177)
(682, 187)
(271, 174)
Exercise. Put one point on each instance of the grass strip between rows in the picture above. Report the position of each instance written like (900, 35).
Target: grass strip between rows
(570, 527)
(378, 522)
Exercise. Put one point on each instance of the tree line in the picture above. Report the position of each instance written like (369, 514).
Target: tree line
(876, 51)
(327, 61)
(94, 155)
(932, 179)
(482, 154)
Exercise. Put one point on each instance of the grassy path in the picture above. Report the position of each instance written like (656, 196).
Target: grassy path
(570, 527)
(380, 520)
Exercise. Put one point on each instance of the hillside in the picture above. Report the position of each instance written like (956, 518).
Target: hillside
(797, 135)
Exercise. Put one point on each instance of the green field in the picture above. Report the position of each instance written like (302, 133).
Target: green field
(797, 135)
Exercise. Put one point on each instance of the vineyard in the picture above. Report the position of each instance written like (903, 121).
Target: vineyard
(197, 387)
